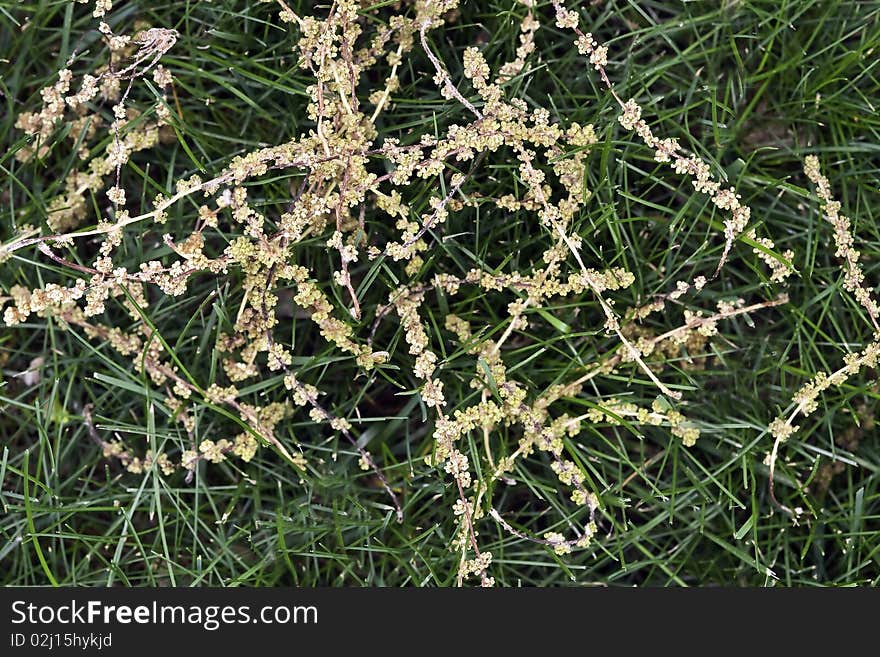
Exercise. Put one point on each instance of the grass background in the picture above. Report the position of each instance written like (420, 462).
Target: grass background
(752, 87)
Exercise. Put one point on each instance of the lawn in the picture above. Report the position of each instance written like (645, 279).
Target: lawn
(429, 293)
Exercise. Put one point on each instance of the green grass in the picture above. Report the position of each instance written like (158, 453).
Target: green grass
(751, 86)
